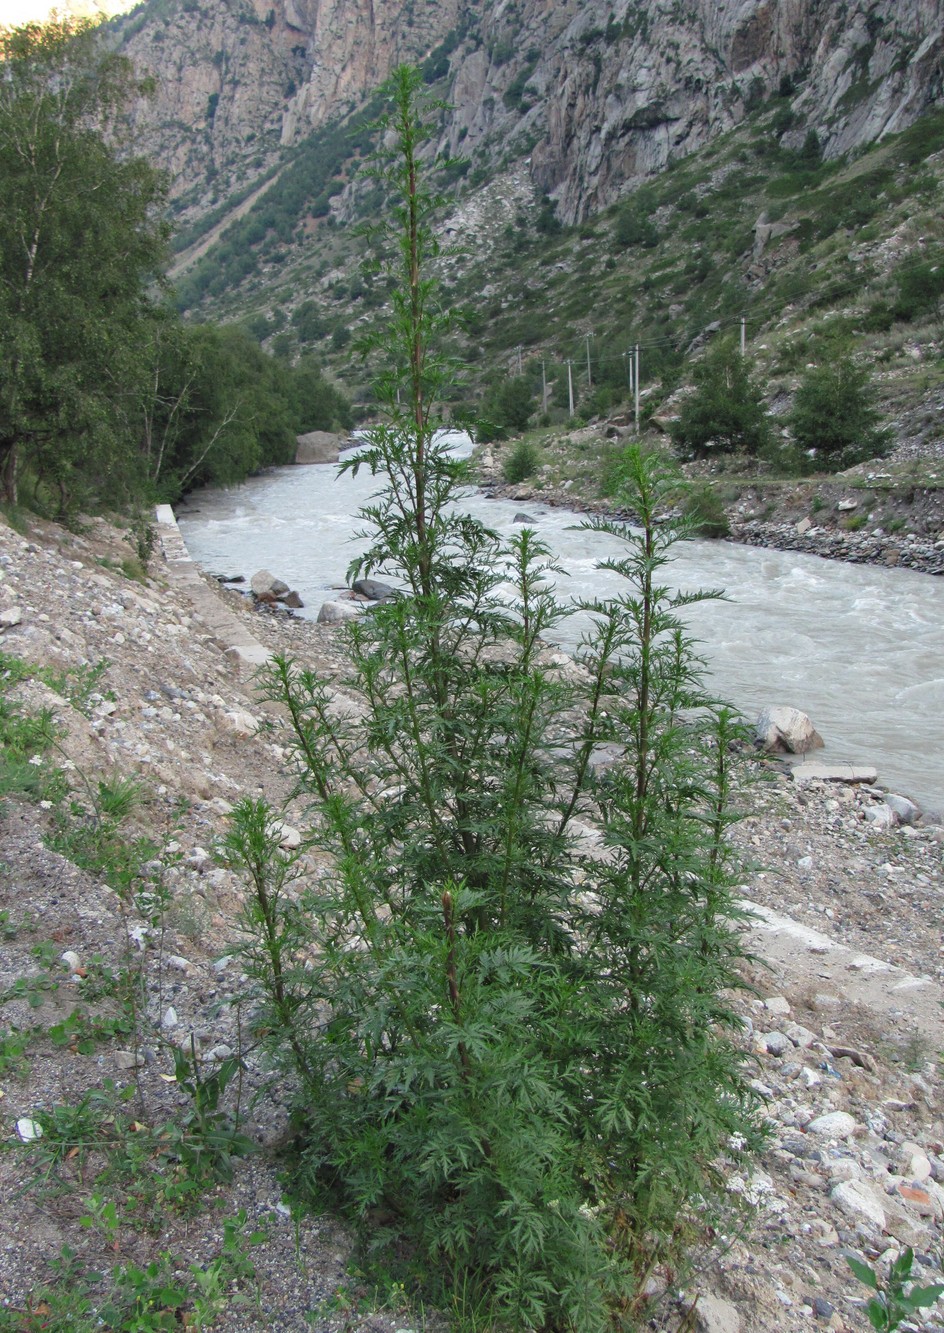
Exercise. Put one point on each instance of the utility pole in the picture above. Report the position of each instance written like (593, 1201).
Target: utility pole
(543, 386)
(743, 335)
(518, 352)
(570, 386)
(588, 336)
(636, 387)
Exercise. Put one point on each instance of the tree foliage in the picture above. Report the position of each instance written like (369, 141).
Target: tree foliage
(81, 240)
(505, 999)
(104, 395)
(726, 411)
(834, 414)
(220, 408)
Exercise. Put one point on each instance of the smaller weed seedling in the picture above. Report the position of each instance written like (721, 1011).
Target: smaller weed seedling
(207, 1137)
(896, 1299)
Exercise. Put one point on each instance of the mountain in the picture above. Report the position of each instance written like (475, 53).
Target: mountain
(592, 96)
(621, 173)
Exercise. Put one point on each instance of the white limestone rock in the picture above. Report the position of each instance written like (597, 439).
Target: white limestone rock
(781, 729)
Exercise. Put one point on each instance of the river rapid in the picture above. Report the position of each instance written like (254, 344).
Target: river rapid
(860, 648)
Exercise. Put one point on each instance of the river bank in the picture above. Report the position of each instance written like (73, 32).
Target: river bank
(843, 1020)
(889, 512)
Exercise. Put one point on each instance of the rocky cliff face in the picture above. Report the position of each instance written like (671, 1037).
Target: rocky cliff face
(594, 94)
(238, 80)
(616, 92)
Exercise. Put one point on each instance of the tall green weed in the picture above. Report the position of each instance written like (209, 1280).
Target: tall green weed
(506, 999)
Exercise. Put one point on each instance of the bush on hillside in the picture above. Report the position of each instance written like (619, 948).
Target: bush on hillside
(834, 417)
(515, 1058)
(726, 411)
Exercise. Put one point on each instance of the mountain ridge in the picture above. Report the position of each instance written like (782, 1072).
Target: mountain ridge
(594, 97)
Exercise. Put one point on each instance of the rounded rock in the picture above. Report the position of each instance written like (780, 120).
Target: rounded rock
(833, 1125)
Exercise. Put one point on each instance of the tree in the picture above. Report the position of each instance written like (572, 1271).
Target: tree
(220, 408)
(512, 1040)
(726, 411)
(81, 244)
(634, 224)
(834, 414)
(509, 405)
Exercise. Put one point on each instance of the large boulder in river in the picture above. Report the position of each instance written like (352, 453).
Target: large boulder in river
(374, 590)
(318, 446)
(266, 585)
(784, 730)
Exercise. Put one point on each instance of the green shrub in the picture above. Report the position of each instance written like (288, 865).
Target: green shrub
(703, 510)
(920, 288)
(834, 416)
(521, 463)
(726, 410)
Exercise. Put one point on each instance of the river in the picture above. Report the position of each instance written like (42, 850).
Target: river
(860, 648)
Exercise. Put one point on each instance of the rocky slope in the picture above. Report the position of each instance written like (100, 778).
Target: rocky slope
(843, 1025)
(593, 97)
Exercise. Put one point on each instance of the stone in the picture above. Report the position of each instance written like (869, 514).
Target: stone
(777, 1004)
(128, 1060)
(880, 817)
(920, 1199)
(220, 1052)
(374, 590)
(833, 1125)
(10, 616)
(70, 959)
(845, 1168)
(170, 1018)
(292, 601)
(336, 613)
(317, 446)
(800, 1036)
(905, 811)
(860, 1201)
(523, 518)
(783, 730)
(265, 584)
(915, 1164)
(713, 1315)
(27, 1130)
(776, 1043)
(289, 837)
(239, 724)
(815, 771)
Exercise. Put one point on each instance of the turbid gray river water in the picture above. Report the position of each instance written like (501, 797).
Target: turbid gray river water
(860, 648)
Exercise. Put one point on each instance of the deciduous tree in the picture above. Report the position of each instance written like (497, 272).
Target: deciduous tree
(81, 247)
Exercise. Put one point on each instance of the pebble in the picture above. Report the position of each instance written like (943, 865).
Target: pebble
(775, 1043)
(860, 1201)
(834, 1125)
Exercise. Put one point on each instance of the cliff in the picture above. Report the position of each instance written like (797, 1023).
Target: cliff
(594, 96)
